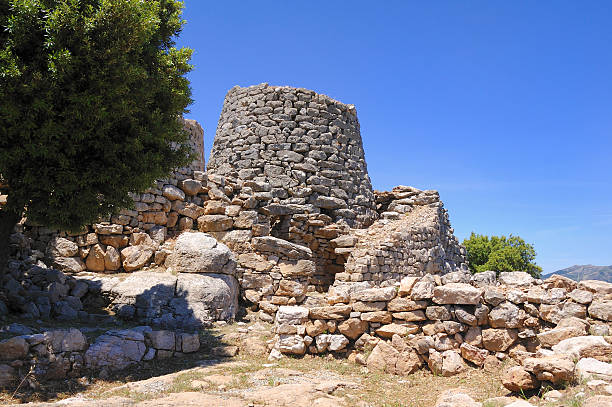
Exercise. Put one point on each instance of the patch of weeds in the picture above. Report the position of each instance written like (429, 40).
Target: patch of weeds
(271, 381)
(574, 401)
(240, 382)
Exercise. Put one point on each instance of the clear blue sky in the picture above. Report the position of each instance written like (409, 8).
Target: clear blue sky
(505, 107)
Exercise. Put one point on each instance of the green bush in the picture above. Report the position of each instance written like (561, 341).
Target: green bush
(90, 96)
(500, 253)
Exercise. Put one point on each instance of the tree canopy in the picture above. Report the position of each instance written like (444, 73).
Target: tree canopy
(90, 96)
(500, 253)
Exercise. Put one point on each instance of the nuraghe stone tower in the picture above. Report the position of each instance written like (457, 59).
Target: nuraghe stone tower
(306, 146)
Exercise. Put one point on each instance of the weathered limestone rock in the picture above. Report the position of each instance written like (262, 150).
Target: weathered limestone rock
(214, 223)
(589, 368)
(202, 298)
(332, 343)
(383, 358)
(69, 264)
(474, 354)
(406, 285)
(135, 257)
(65, 340)
(116, 350)
(173, 193)
(332, 312)
(552, 337)
(400, 304)
(95, 258)
(292, 315)
(200, 253)
(13, 348)
(601, 309)
(457, 293)
(422, 290)
(62, 247)
(291, 344)
(383, 317)
(517, 278)
(498, 340)
(161, 339)
(387, 331)
(279, 246)
(583, 347)
(145, 289)
(374, 294)
(596, 286)
(555, 369)
(112, 259)
(352, 328)
(517, 379)
(447, 363)
(505, 315)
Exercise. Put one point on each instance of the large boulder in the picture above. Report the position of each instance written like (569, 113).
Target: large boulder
(116, 349)
(145, 289)
(202, 298)
(200, 253)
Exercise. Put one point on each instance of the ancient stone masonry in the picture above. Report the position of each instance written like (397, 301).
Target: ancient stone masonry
(286, 190)
(413, 237)
(304, 147)
(61, 353)
(449, 322)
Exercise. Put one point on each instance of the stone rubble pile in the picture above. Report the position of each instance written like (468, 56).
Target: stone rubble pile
(61, 353)
(449, 322)
(203, 288)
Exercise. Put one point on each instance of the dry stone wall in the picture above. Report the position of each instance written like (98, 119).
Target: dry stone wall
(306, 147)
(454, 320)
(60, 353)
(413, 237)
(286, 190)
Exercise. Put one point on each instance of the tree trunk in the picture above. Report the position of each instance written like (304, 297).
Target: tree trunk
(8, 220)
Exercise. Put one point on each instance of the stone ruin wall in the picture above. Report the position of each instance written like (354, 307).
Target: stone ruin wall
(286, 190)
(306, 146)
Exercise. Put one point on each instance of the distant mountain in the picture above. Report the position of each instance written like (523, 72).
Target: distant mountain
(587, 272)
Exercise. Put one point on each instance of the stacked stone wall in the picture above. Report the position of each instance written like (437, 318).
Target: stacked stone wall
(62, 353)
(413, 237)
(450, 321)
(306, 146)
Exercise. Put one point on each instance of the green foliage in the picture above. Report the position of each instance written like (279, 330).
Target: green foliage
(90, 96)
(500, 253)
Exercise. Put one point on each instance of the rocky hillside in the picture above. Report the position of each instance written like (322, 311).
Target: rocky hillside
(587, 272)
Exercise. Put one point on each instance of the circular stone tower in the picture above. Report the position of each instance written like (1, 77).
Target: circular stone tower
(306, 147)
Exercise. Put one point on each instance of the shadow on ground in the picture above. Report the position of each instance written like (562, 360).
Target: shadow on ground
(148, 308)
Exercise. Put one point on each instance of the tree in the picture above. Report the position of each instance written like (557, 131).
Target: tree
(91, 92)
(500, 253)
